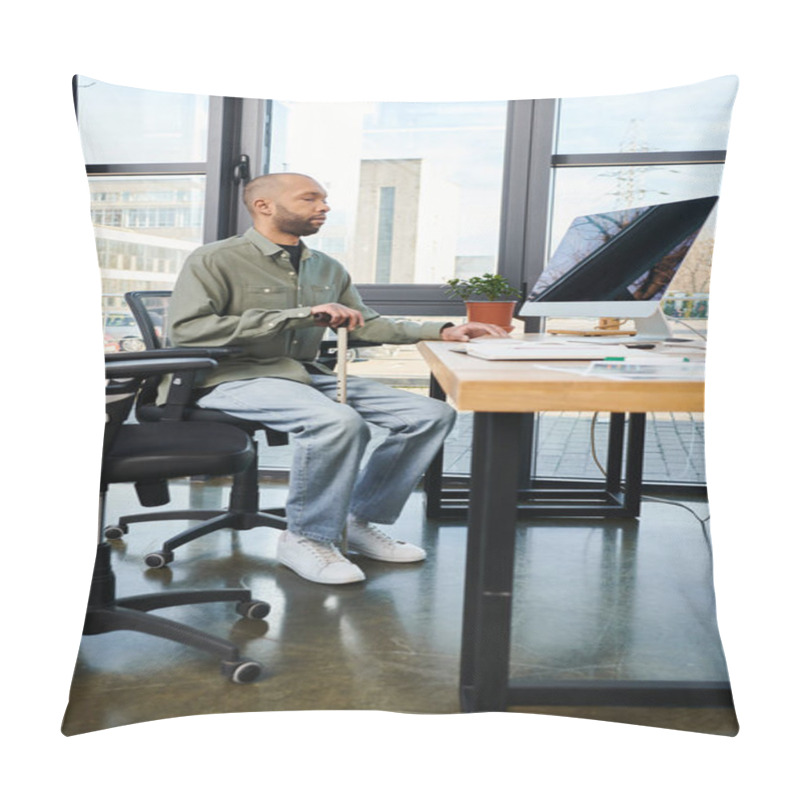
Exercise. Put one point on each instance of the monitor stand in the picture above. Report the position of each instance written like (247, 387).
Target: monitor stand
(654, 328)
(606, 326)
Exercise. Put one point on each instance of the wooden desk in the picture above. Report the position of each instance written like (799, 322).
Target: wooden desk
(473, 384)
(502, 394)
(520, 387)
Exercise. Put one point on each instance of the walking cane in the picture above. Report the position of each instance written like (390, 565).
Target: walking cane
(341, 364)
(341, 381)
(341, 358)
(341, 391)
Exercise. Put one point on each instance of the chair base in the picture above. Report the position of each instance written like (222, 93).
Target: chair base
(106, 613)
(242, 514)
(235, 520)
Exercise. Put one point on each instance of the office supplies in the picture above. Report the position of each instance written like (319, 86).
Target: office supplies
(669, 368)
(545, 350)
(653, 358)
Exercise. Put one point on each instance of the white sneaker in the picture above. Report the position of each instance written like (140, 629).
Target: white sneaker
(320, 562)
(365, 538)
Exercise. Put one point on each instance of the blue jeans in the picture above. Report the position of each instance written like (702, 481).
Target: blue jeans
(327, 479)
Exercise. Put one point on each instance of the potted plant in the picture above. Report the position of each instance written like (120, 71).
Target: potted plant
(488, 298)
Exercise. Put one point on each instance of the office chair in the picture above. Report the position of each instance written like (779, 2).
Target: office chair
(147, 455)
(149, 309)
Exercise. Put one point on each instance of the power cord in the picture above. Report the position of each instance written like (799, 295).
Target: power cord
(700, 519)
(687, 325)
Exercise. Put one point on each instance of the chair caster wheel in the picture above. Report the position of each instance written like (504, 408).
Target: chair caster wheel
(115, 531)
(158, 560)
(253, 609)
(242, 671)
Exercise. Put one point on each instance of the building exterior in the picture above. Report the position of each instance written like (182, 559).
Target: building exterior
(144, 230)
(406, 223)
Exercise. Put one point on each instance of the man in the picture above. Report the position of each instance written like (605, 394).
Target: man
(270, 295)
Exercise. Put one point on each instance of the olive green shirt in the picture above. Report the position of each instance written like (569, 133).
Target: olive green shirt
(244, 291)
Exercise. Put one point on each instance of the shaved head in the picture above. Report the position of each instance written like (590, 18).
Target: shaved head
(286, 205)
(270, 187)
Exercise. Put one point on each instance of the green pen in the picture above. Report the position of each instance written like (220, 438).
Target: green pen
(622, 358)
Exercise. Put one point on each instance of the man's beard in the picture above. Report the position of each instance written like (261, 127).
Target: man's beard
(294, 224)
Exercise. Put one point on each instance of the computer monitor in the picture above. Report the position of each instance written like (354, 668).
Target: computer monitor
(619, 264)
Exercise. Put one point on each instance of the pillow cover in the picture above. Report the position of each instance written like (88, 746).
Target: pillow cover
(416, 198)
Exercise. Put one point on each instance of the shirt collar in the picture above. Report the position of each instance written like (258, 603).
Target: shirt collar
(268, 247)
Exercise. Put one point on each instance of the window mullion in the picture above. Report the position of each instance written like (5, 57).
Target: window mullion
(172, 168)
(647, 158)
(253, 143)
(526, 190)
(213, 169)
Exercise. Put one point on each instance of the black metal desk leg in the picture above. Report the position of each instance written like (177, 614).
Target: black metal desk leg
(634, 464)
(486, 633)
(616, 441)
(433, 475)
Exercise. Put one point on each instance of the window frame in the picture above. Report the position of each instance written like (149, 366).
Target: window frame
(527, 239)
(239, 131)
(528, 194)
(232, 131)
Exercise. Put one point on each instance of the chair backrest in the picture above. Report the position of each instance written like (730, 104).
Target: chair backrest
(120, 396)
(149, 309)
(148, 454)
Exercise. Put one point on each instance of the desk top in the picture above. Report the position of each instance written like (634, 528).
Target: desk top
(473, 384)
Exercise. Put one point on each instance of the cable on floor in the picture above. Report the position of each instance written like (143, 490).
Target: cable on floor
(701, 520)
(687, 325)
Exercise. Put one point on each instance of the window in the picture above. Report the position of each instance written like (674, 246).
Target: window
(586, 155)
(680, 119)
(158, 185)
(124, 125)
(419, 192)
(626, 151)
(415, 191)
(141, 245)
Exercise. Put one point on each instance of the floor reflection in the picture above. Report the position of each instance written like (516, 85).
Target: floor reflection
(618, 599)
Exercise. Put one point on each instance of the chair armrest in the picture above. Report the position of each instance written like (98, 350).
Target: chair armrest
(176, 352)
(182, 367)
(133, 365)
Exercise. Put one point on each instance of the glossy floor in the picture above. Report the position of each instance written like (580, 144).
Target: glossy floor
(593, 599)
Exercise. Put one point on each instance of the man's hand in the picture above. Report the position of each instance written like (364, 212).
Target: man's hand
(471, 330)
(335, 315)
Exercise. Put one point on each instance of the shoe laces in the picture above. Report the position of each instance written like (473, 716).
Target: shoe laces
(326, 552)
(368, 529)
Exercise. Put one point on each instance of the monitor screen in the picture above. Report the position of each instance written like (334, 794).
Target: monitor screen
(628, 256)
